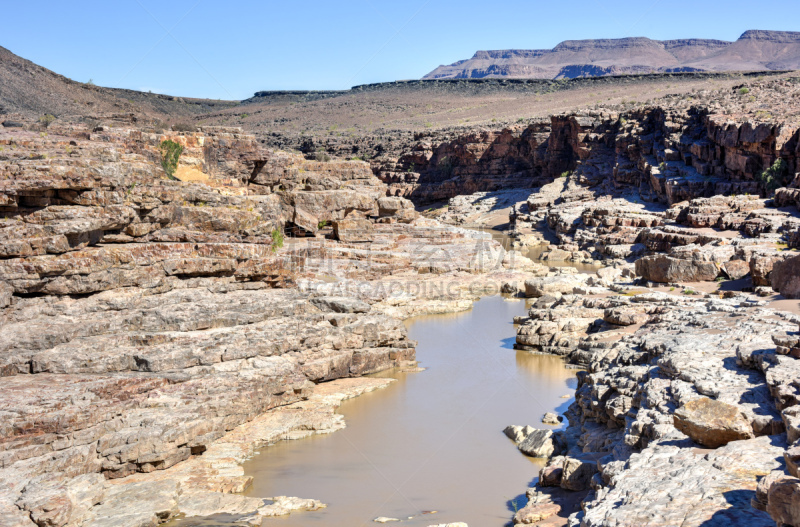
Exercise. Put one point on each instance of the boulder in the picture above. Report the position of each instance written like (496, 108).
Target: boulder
(783, 501)
(535, 512)
(624, 316)
(792, 458)
(353, 230)
(305, 220)
(666, 269)
(565, 284)
(712, 423)
(509, 288)
(518, 433)
(762, 489)
(578, 471)
(394, 206)
(607, 275)
(546, 301)
(551, 418)
(785, 277)
(538, 443)
(550, 476)
(761, 267)
(763, 291)
(557, 255)
(736, 269)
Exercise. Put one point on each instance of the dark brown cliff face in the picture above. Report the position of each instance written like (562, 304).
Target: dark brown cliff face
(669, 152)
(488, 160)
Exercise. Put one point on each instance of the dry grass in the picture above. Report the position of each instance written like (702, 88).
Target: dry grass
(356, 114)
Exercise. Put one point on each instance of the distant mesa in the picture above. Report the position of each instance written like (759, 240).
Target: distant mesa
(754, 50)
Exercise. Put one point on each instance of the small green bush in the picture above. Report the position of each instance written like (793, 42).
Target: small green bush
(277, 239)
(744, 91)
(566, 173)
(46, 120)
(773, 177)
(322, 224)
(322, 155)
(170, 154)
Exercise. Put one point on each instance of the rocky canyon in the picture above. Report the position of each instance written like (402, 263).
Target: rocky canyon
(162, 324)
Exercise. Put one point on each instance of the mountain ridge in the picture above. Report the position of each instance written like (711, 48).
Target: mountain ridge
(754, 50)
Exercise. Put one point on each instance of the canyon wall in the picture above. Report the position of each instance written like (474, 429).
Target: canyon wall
(669, 153)
(154, 332)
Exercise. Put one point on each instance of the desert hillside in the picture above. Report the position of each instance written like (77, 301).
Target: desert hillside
(31, 90)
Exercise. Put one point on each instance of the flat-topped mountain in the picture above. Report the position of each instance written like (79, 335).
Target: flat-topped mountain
(754, 50)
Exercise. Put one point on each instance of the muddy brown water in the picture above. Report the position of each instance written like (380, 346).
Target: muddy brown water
(432, 441)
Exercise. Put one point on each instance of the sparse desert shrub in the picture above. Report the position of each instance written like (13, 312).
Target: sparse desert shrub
(322, 155)
(773, 177)
(46, 120)
(565, 174)
(184, 127)
(277, 239)
(321, 225)
(446, 166)
(744, 91)
(159, 126)
(170, 154)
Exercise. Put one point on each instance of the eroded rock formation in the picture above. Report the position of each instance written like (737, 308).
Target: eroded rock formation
(156, 332)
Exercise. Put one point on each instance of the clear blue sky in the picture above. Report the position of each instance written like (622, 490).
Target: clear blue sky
(228, 50)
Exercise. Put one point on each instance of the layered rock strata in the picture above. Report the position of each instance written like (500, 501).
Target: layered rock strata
(682, 397)
(156, 332)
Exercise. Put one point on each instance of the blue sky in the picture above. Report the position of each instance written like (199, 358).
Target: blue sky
(228, 50)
